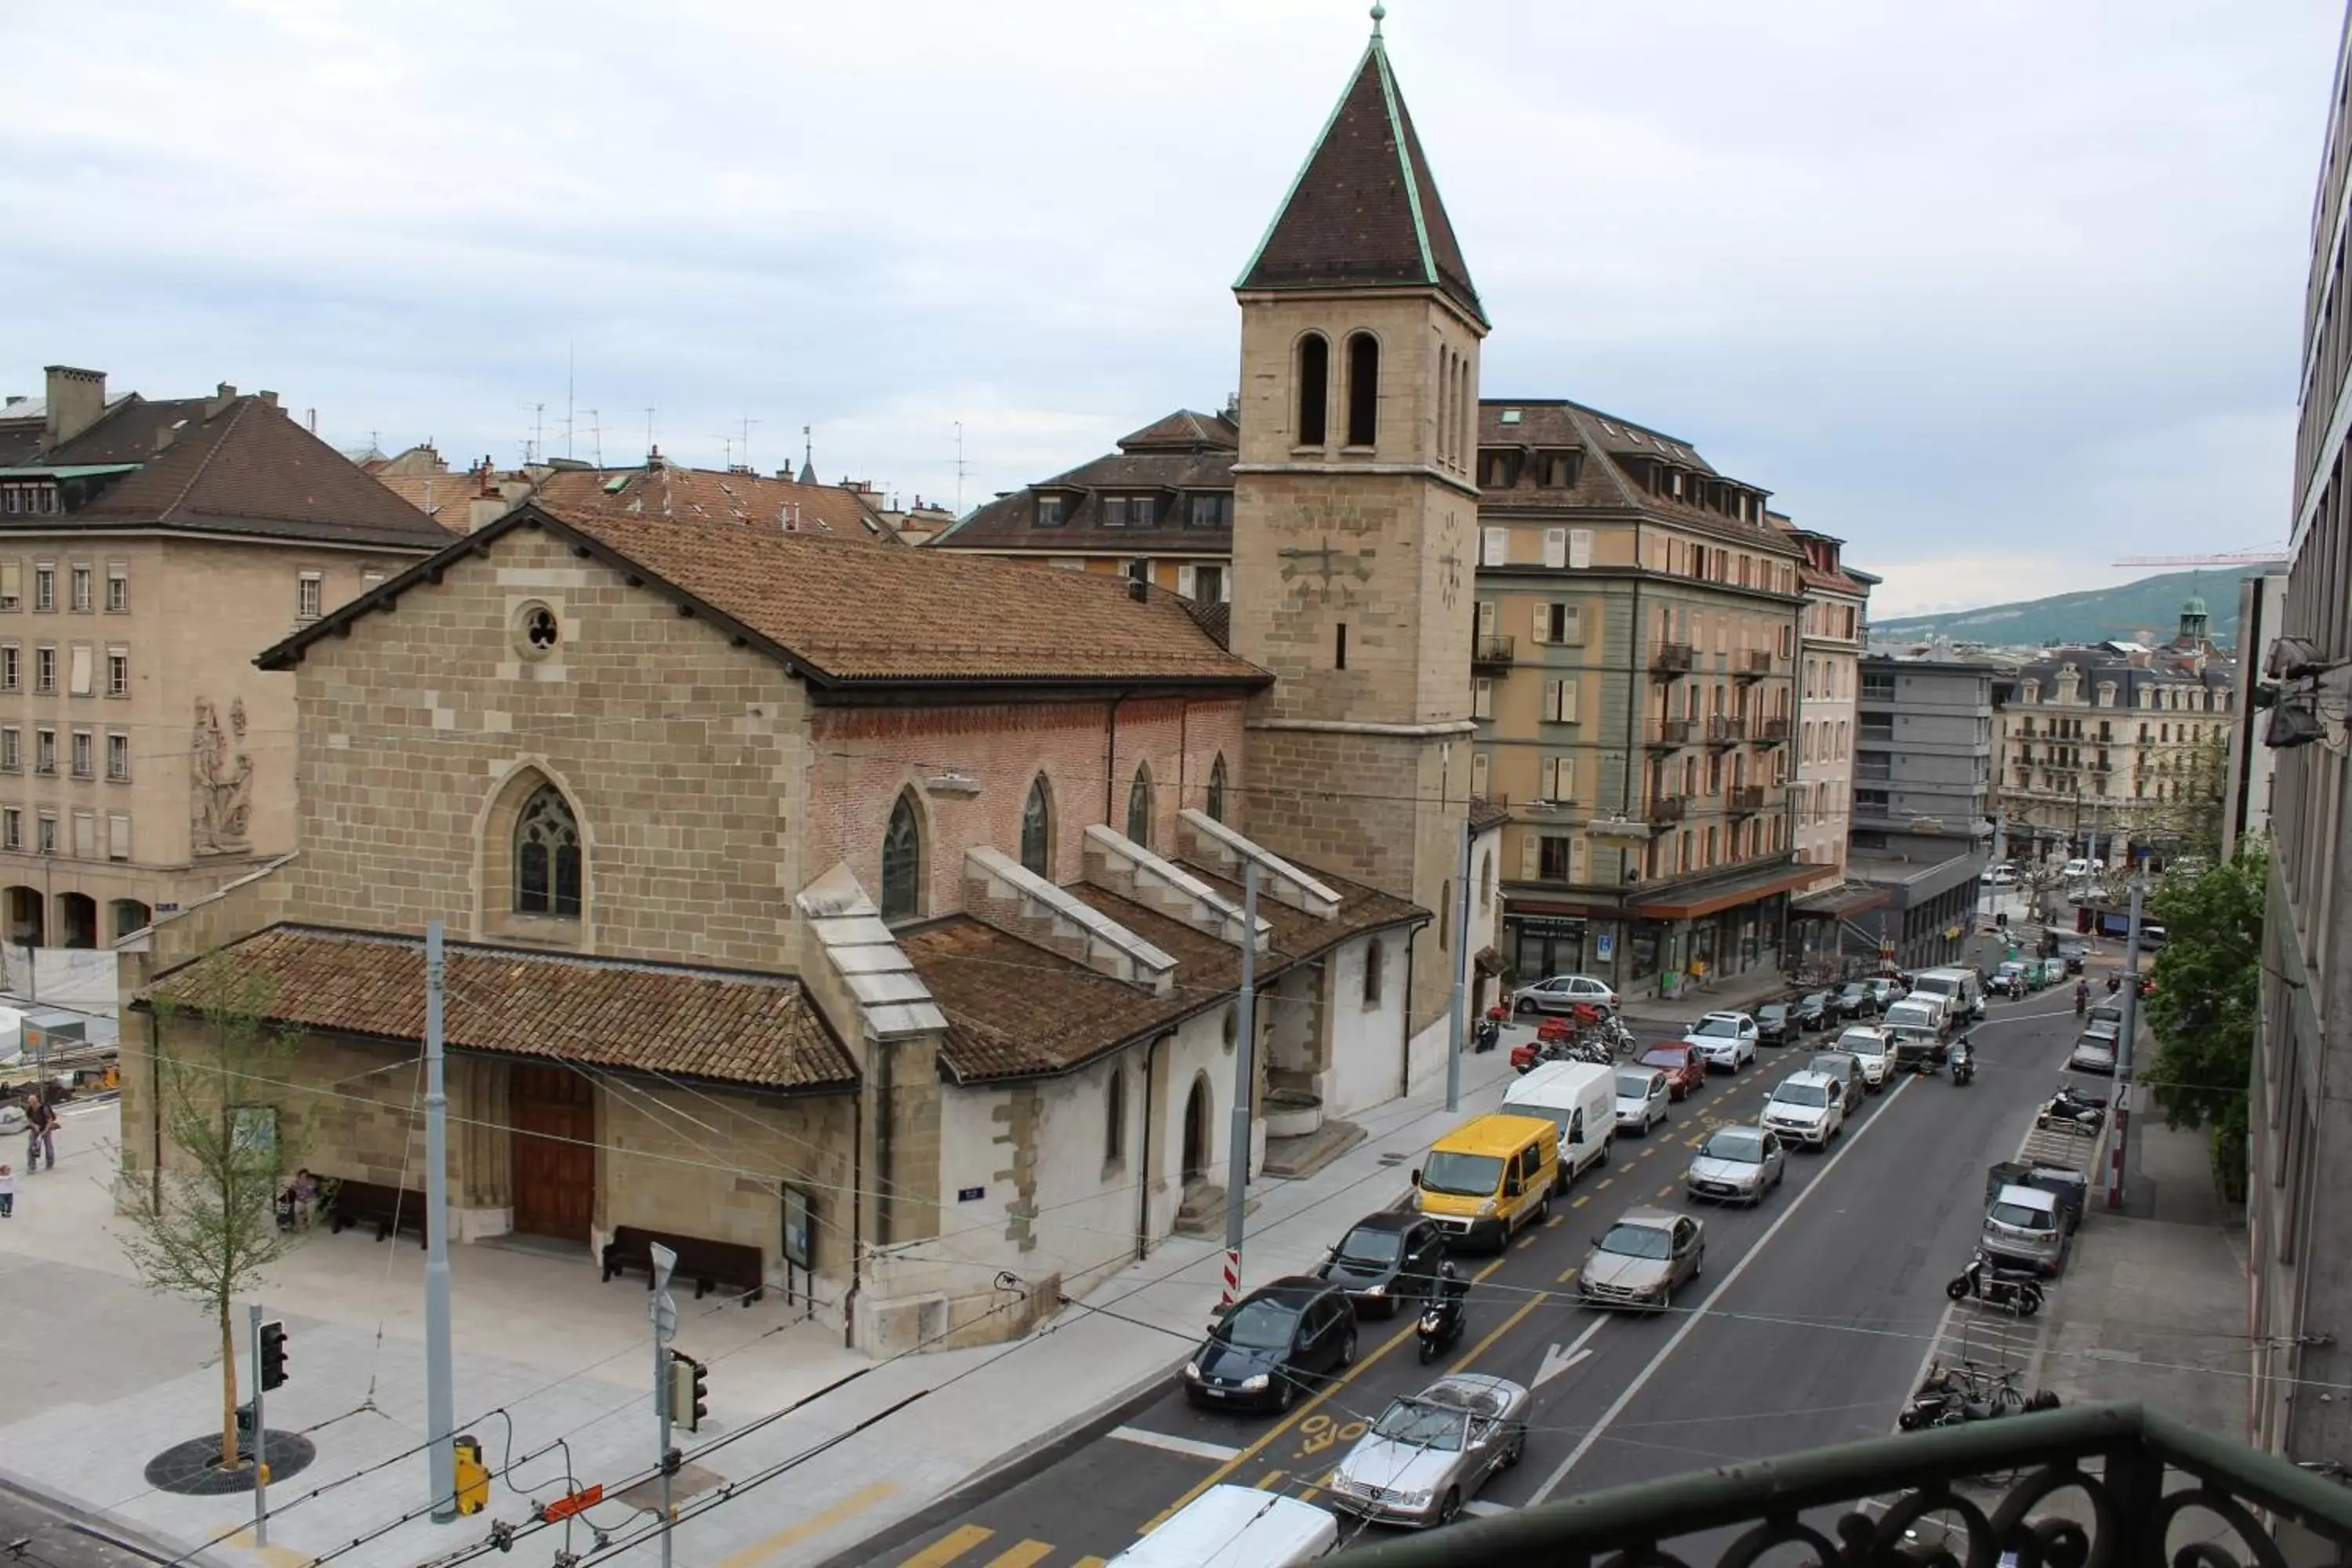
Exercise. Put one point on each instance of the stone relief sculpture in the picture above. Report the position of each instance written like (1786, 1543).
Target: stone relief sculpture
(220, 779)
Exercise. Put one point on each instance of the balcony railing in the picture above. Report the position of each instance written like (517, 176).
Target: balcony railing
(1664, 809)
(1672, 659)
(1747, 798)
(1492, 652)
(2150, 1487)
(1880, 772)
(1749, 663)
(1726, 729)
(1772, 730)
(1669, 734)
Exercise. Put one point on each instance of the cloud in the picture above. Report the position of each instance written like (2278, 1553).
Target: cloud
(2008, 284)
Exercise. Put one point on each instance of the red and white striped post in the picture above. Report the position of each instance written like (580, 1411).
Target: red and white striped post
(1233, 1275)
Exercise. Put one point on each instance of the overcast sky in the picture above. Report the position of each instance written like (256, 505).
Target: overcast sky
(1996, 292)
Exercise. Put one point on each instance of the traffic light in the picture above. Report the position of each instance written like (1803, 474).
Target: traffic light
(690, 1391)
(273, 1355)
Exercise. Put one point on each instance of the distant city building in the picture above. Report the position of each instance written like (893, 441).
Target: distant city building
(1922, 800)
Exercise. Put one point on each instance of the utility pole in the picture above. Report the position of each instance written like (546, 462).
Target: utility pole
(2119, 1162)
(1461, 944)
(665, 1316)
(440, 1405)
(260, 1433)
(1245, 1080)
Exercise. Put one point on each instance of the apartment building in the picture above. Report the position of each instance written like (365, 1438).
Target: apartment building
(1831, 629)
(2299, 1150)
(149, 549)
(2252, 772)
(1923, 790)
(1634, 680)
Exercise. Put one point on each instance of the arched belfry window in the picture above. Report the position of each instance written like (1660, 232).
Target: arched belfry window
(1215, 805)
(1363, 389)
(1314, 388)
(902, 863)
(546, 857)
(1037, 829)
(1139, 805)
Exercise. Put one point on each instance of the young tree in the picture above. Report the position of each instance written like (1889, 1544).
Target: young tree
(2207, 999)
(209, 1225)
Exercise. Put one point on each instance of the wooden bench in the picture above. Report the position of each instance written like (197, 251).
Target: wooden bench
(710, 1264)
(389, 1209)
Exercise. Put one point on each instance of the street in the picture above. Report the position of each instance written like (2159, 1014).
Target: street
(34, 1533)
(1809, 1326)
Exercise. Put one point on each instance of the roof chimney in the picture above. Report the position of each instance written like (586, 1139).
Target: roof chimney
(267, 397)
(223, 395)
(77, 400)
(1139, 590)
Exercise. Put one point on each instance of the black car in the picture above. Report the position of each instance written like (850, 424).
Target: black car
(1772, 1023)
(1811, 1012)
(1391, 1259)
(2072, 953)
(1271, 1345)
(1856, 1001)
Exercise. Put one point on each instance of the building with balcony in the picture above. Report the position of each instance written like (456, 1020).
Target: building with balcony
(149, 549)
(1922, 830)
(1634, 675)
(1830, 641)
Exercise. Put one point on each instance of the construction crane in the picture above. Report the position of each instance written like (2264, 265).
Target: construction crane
(2231, 558)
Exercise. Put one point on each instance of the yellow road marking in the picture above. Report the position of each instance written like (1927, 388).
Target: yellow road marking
(1581, 1202)
(1566, 1276)
(1272, 1478)
(855, 1503)
(1310, 1494)
(1525, 1242)
(1650, 1151)
(1606, 1183)
(1558, 1217)
(1504, 1327)
(1028, 1554)
(1667, 1191)
(1091, 1562)
(948, 1547)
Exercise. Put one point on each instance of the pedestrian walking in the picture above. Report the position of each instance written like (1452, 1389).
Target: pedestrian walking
(40, 1132)
(7, 1192)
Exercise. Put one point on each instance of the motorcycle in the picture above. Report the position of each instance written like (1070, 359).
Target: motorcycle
(1489, 1034)
(1963, 1061)
(2015, 1289)
(1948, 1397)
(2082, 1000)
(1444, 1316)
(2072, 1110)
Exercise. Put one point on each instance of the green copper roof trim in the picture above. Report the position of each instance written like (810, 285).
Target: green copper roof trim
(1298, 179)
(69, 471)
(1404, 159)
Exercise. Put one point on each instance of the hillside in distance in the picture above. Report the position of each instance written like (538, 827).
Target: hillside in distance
(2147, 609)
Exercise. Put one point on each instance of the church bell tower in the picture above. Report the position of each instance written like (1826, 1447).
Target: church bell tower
(1355, 519)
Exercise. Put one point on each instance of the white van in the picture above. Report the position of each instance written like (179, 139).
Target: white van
(1963, 989)
(1919, 1012)
(1581, 1097)
(1236, 1527)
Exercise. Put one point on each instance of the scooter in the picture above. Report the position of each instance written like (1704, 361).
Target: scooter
(1489, 1034)
(2072, 1110)
(1964, 1061)
(2015, 1289)
(1444, 1316)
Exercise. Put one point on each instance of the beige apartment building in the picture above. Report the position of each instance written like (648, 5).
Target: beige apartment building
(1829, 639)
(149, 549)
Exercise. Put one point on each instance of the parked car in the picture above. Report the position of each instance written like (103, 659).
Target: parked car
(1844, 1070)
(1725, 1040)
(2108, 1012)
(1240, 1525)
(1430, 1452)
(1642, 1096)
(1737, 1164)
(1640, 1260)
(1885, 989)
(1805, 1108)
(1854, 1001)
(1561, 993)
(1271, 1344)
(2077, 870)
(1390, 1258)
(1812, 1011)
(1684, 1069)
(2072, 955)
(1874, 1050)
(2009, 980)
(2002, 875)
(2095, 1051)
(2026, 1224)
(1772, 1028)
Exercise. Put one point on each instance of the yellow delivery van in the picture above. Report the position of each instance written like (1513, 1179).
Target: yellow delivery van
(1489, 1176)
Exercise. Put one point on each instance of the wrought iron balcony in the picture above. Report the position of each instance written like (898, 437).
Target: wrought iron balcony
(2114, 1486)
(1670, 659)
(1772, 730)
(1751, 664)
(1747, 799)
(1492, 652)
(1669, 734)
(1664, 809)
(1726, 729)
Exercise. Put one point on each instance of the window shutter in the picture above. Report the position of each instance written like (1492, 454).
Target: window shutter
(1565, 780)
(118, 825)
(1482, 703)
(81, 670)
(12, 581)
(1576, 859)
(1551, 701)
(1579, 548)
(1555, 547)
(1568, 690)
(1548, 775)
(1572, 632)
(1542, 623)
(1478, 775)
(1485, 618)
(85, 835)
(1530, 857)
(1184, 580)
(1495, 547)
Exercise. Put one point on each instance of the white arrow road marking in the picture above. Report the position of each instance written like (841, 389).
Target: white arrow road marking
(1557, 1361)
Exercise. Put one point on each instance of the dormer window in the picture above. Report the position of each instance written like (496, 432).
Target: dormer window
(1675, 481)
(1128, 511)
(1052, 511)
(1212, 510)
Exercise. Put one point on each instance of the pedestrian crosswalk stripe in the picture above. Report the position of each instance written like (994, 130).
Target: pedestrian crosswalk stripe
(1028, 1554)
(1215, 1453)
(948, 1547)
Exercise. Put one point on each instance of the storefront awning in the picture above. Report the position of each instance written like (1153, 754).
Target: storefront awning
(1702, 901)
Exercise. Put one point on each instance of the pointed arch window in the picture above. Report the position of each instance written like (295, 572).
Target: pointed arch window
(546, 857)
(1037, 829)
(1363, 389)
(1215, 804)
(902, 863)
(1139, 805)
(1314, 383)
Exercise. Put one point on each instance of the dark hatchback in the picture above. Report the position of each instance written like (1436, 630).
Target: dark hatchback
(1856, 1001)
(1272, 1344)
(1772, 1023)
(1390, 1259)
(1811, 1012)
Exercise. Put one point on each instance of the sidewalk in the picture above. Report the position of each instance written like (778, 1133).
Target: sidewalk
(1740, 994)
(112, 1375)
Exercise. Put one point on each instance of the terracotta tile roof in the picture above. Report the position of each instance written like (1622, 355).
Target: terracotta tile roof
(667, 489)
(1185, 431)
(1018, 1011)
(1181, 454)
(249, 468)
(1485, 815)
(129, 430)
(714, 1025)
(1364, 211)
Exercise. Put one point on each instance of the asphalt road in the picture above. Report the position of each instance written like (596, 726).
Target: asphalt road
(1809, 1326)
(36, 1534)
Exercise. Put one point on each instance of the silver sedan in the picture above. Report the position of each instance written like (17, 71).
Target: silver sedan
(1430, 1452)
(1737, 1164)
